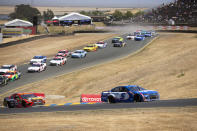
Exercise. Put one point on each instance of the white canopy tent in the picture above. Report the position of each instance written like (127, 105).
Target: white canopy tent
(74, 18)
(18, 22)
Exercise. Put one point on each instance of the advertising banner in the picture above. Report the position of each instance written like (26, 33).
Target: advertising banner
(91, 98)
(12, 31)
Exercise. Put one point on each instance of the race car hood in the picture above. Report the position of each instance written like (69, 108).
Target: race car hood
(9, 76)
(55, 61)
(33, 68)
(88, 48)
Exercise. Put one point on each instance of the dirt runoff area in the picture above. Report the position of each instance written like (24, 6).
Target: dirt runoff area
(20, 53)
(158, 119)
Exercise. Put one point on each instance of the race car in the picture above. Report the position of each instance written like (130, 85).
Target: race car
(37, 67)
(38, 59)
(139, 37)
(101, 44)
(146, 33)
(129, 93)
(23, 100)
(78, 54)
(130, 37)
(5, 68)
(58, 61)
(90, 47)
(3, 80)
(64, 53)
(117, 39)
(119, 44)
(12, 75)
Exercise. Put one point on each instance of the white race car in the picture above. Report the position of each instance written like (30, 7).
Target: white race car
(5, 68)
(101, 44)
(58, 61)
(37, 67)
(130, 37)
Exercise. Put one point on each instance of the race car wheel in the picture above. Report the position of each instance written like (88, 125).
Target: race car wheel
(111, 99)
(10, 105)
(137, 98)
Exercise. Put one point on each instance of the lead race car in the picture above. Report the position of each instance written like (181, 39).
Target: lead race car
(23, 100)
(130, 93)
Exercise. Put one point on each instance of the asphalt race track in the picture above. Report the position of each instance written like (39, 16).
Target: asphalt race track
(92, 58)
(154, 104)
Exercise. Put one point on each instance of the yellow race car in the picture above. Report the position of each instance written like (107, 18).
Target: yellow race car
(90, 47)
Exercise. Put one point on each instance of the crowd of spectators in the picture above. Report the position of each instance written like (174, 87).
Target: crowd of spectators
(179, 11)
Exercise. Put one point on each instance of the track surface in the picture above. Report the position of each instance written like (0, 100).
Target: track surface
(92, 58)
(155, 104)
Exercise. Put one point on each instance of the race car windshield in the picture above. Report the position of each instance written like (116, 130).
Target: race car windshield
(62, 52)
(34, 65)
(5, 67)
(26, 96)
(9, 73)
(116, 38)
(90, 46)
(57, 59)
(37, 57)
(100, 43)
(77, 52)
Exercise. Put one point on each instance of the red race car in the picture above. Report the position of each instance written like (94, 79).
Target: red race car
(23, 100)
(64, 53)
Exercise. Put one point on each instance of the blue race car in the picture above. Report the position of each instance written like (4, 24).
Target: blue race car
(130, 93)
(139, 37)
(78, 54)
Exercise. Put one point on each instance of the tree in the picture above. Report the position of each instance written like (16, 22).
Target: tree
(128, 15)
(117, 15)
(139, 13)
(25, 12)
(48, 15)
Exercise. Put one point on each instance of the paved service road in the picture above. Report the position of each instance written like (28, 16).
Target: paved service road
(93, 58)
(154, 104)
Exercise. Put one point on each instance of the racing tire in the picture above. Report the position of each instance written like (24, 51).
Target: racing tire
(111, 100)
(137, 98)
(9, 105)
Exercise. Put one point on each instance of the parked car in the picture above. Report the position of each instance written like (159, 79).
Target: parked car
(79, 54)
(130, 93)
(23, 100)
